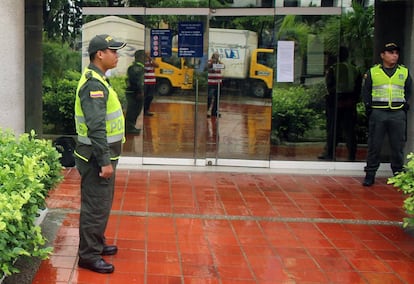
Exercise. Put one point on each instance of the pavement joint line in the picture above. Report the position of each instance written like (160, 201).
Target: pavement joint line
(248, 218)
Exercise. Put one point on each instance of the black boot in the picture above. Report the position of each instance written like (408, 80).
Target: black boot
(369, 179)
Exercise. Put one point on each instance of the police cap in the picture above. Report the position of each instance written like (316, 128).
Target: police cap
(390, 47)
(102, 42)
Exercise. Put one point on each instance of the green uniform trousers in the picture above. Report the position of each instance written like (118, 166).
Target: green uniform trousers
(386, 122)
(96, 202)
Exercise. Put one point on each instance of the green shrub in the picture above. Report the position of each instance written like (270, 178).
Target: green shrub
(30, 169)
(59, 101)
(404, 182)
(361, 128)
(295, 110)
(119, 85)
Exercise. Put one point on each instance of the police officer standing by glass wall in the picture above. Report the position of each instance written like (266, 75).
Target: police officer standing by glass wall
(134, 93)
(343, 83)
(386, 90)
(100, 127)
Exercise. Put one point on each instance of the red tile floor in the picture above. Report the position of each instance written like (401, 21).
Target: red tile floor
(175, 226)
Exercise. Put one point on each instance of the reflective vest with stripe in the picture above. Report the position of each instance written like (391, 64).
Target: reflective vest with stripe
(114, 117)
(388, 92)
(214, 76)
(149, 75)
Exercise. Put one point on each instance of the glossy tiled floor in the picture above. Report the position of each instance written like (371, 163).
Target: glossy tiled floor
(242, 228)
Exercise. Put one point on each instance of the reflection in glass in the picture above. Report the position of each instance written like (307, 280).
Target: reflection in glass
(318, 3)
(173, 73)
(171, 131)
(246, 57)
(177, 4)
(241, 3)
(132, 32)
(307, 120)
(145, 3)
(259, 115)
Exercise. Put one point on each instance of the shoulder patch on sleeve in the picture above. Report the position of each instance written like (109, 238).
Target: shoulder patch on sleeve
(96, 94)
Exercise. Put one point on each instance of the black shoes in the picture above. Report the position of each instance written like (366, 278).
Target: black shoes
(100, 266)
(109, 250)
(147, 113)
(369, 179)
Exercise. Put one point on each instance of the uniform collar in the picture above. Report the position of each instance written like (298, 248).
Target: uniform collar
(97, 70)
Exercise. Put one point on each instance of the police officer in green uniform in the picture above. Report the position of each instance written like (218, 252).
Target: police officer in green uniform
(343, 83)
(100, 127)
(134, 92)
(386, 90)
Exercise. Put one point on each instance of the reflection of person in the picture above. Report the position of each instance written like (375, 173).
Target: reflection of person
(343, 84)
(150, 82)
(100, 127)
(214, 80)
(134, 93)
(385, 92)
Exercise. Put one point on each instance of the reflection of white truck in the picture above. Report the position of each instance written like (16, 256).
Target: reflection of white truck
(122, 29)
(243, 61)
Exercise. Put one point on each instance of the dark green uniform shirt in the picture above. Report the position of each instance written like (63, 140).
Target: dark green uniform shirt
(135, 80)
(94, 110)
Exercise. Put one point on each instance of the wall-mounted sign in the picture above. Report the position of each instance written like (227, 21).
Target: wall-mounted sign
(161, 43)
(285, 60)
(190, 39)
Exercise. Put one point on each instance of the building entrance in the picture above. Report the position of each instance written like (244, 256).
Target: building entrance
(186, 118)
(234, 86)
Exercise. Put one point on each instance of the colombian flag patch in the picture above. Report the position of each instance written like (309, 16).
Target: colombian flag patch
(96, 94)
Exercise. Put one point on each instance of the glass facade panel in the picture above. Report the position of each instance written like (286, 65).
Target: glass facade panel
(317, 112)
(148, 3)
(274, 105)
(321, 3)
(174, 129)
(242, 3)
(241, 124)
(181, 3)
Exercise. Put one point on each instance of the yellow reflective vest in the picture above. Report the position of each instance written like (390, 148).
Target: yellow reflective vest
(115, 123)
(388, 92)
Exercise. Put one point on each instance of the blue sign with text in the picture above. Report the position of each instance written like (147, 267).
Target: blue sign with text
(190, 39)
(161, 43)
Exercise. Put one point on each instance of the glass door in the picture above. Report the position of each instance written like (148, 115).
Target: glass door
(240, 80)
(164, 56)
(184, 119)
(171, 127)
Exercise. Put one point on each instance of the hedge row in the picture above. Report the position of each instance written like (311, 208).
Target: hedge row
(29, 169)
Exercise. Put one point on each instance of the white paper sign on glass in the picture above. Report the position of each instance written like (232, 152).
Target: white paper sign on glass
(285, 61)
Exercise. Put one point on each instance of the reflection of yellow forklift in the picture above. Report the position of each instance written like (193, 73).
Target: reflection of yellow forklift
(173, 73)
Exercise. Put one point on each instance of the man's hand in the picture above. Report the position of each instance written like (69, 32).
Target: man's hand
(106, 171)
